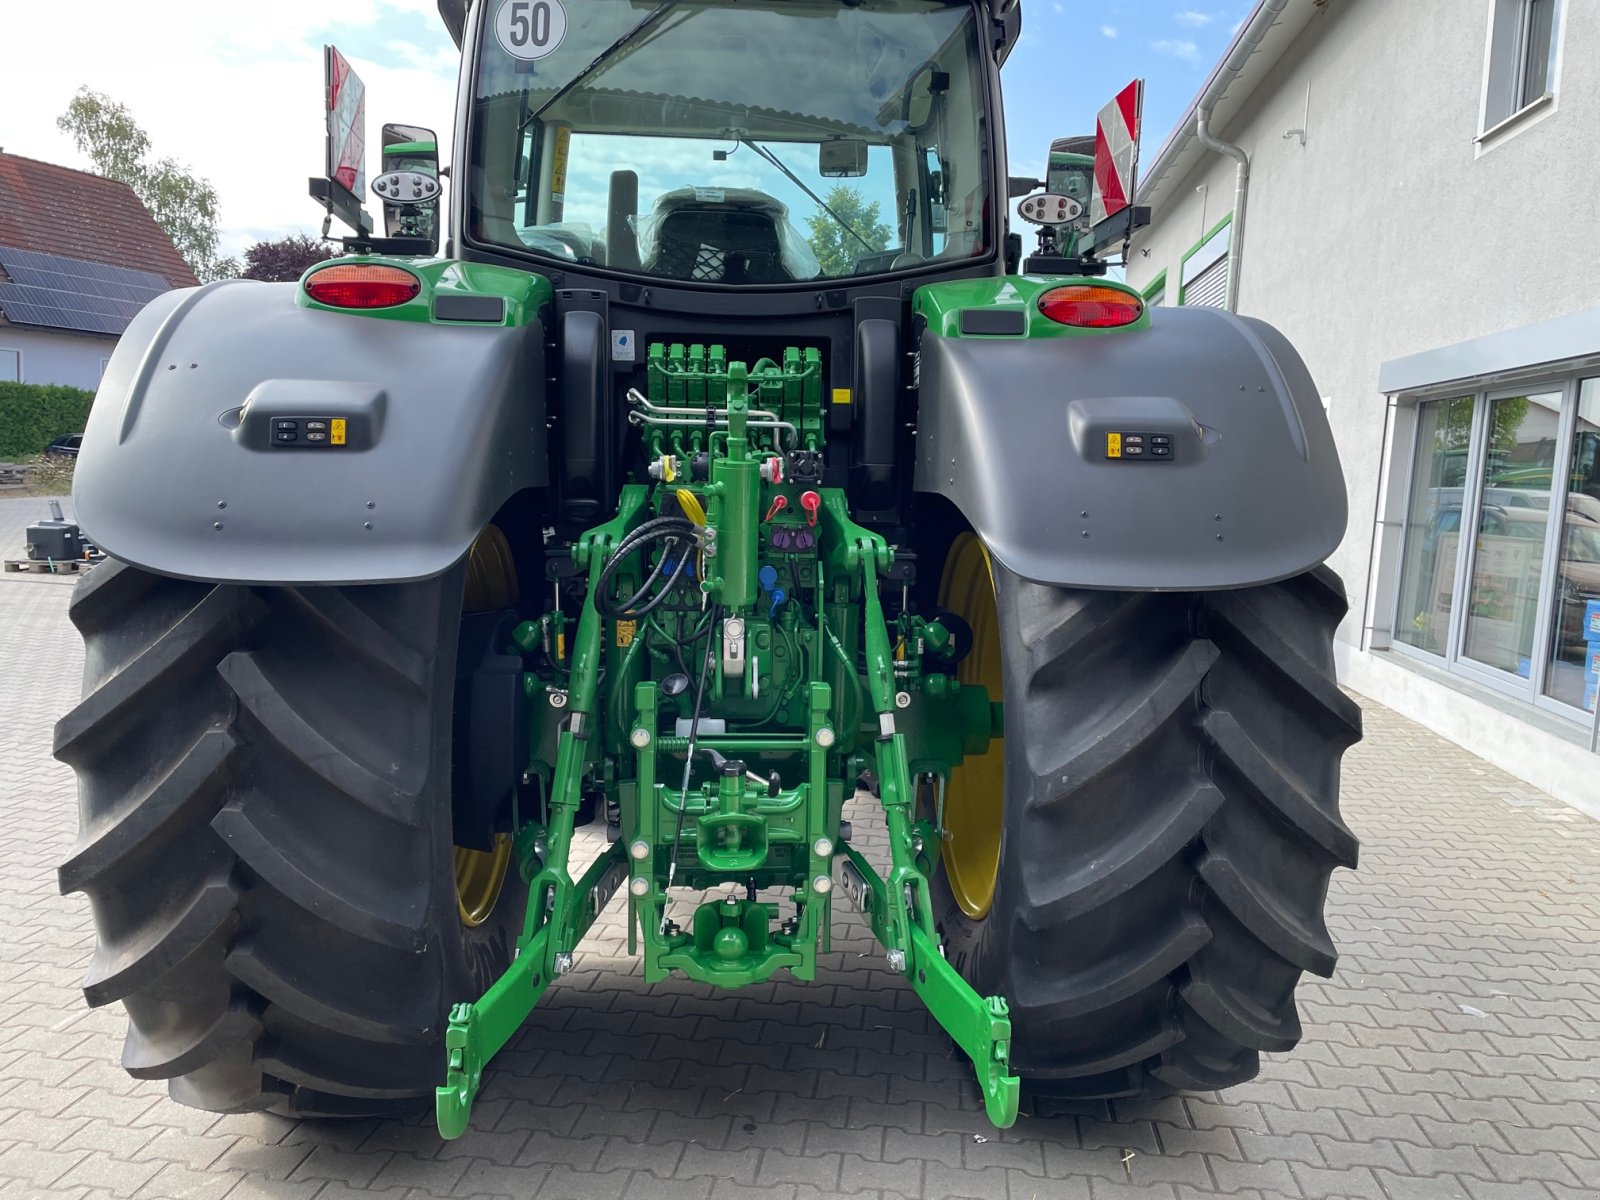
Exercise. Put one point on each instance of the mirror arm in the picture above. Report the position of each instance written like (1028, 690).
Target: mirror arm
(340, 203)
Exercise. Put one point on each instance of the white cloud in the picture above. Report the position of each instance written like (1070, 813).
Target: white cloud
(1194, 19)
(233, 93)
(1176, 48)
(1109, 31)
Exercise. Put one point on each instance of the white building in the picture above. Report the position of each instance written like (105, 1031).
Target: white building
(1422, 219)
(79, 256)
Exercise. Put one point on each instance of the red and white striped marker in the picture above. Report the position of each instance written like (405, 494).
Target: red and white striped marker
(1116, 153)
(347, 124)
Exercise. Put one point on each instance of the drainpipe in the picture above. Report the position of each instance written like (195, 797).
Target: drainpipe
(1249, 38)
(1241, 195)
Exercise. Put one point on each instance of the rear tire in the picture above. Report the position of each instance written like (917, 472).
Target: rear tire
(264, 795)
(1170, 820)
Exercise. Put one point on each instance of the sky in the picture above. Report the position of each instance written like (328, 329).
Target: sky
(235, 90)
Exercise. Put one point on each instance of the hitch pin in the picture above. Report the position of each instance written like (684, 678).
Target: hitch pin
(779, 503)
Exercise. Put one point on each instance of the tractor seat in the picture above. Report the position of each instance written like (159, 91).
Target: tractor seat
(719, 235)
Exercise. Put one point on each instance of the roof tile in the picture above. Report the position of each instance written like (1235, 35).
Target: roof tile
(73, 214)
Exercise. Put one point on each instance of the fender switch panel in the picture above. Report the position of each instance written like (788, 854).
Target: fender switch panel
(310, 433)
(1135, 446)
(312, 414)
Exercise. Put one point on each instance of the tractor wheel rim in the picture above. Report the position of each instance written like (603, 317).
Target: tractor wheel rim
(975, 794)
(480, 874)
(491, 584)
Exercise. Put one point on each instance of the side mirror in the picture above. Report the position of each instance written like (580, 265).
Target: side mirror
(842, 158)
(409, 185)
(923, 96)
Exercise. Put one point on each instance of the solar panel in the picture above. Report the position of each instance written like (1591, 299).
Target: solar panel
(55, 316)
(72, 293)
(20, 264)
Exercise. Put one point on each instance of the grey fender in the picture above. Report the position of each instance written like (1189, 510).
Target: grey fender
(1015, 433)
(179, 472)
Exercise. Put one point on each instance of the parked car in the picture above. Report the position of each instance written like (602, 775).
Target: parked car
(65, 446)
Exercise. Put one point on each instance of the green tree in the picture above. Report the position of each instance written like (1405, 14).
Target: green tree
(182, 203)
(857, 231)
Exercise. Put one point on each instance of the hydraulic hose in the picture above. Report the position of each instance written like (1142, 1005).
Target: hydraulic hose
(669, 529)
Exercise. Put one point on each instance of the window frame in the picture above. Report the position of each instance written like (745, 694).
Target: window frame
(1501, 109)
(1567, 381)
(18, 352)
(1155, 290)
(1183, 262)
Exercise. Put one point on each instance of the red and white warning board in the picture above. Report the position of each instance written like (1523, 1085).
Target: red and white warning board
(347, 124)
(1116, 153)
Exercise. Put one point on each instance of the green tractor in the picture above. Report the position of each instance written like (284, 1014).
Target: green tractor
(725, 465)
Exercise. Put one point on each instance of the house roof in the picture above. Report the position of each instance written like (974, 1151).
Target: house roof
(1249, 58)
(55, 210)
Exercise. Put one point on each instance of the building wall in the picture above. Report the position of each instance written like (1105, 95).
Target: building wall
(58, 357)
(1391, 232)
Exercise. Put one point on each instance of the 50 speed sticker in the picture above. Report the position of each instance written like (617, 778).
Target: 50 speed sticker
(530, 29)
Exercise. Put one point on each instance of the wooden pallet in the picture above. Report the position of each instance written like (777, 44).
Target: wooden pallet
(60, 566)
(14, 477)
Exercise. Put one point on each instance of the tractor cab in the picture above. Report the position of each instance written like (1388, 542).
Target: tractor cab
(751, 145)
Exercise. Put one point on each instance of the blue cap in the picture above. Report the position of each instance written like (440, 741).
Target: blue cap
(767, 576)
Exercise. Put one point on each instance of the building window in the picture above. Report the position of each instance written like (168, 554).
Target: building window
(1575, 630)
(1522, 57)
(10, 366)
(1500, 566)
(1155, 292)
(1515, 470)
(1433, 524)
(1203, 280)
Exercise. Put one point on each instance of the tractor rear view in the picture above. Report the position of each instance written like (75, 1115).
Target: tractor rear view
(726, 456)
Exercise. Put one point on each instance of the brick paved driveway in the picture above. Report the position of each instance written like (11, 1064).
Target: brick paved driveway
(1455, 1054)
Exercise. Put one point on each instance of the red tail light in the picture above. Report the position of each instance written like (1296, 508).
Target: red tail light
(1090, 306)
(362, 285)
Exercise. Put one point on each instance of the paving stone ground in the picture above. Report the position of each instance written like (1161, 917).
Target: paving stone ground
(1455, 1054)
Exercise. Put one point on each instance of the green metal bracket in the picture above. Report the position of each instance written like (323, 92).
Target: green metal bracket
(705, 953)
(900, 909)
(980, 1025)
(559, 911)
(479, 1030)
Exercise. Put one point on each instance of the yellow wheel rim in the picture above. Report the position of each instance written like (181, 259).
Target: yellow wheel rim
(491, 584)
(480, 874)
(976, 791)
(491, 573)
